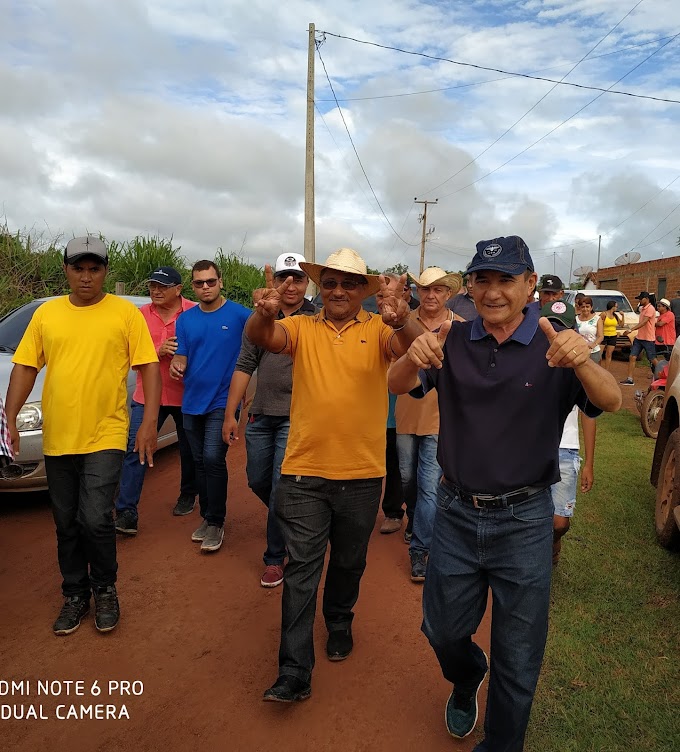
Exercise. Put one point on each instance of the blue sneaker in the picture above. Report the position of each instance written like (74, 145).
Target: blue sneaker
(462, 710)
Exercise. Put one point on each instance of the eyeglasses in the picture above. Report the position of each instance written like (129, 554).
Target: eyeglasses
(346, 284)
(198, 283)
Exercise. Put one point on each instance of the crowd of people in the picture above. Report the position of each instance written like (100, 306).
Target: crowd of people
(430, 405)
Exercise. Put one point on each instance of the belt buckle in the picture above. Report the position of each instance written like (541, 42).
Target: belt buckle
(476, 498)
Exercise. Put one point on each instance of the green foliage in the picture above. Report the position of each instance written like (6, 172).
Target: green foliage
(32, 268)
(397, 269)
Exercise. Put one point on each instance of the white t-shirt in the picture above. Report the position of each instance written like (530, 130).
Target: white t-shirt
(570, 438)
(588, 330)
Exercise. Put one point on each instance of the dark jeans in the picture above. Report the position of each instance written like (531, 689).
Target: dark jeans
(393, 497)
(132, 477)
(82, 487)
(204, 433)
(510, 551)
(266, 438)
(313, 512)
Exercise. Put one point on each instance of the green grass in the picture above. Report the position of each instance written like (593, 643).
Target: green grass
(610, 678)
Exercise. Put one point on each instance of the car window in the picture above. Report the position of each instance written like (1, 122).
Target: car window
(13, 325)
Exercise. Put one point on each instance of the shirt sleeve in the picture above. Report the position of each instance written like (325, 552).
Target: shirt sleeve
(30, 351)
(140, 345)
(292, 326)
(428, 381)
(180, 333)
(249, 357)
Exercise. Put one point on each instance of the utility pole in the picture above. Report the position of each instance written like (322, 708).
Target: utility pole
(555, 263)
(309, 248)
(426, 232)
(599, 244)
(571, 266)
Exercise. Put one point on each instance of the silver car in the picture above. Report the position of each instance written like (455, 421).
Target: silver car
(27, 473)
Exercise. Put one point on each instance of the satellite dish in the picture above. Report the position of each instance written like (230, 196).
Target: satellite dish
(631, 257)
(583, 271)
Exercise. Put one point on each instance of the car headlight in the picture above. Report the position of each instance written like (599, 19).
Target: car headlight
(30, 417)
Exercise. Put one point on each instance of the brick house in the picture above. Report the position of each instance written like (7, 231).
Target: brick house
(660, 276)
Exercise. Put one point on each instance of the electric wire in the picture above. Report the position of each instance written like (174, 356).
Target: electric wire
(505, 72)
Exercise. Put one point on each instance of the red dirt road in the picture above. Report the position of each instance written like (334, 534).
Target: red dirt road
(202, 636)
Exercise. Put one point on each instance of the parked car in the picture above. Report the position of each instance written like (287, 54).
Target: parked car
(27, 473)
(600, 300)
(665, 475)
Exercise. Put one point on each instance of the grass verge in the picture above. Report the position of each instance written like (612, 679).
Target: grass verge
(610, 678)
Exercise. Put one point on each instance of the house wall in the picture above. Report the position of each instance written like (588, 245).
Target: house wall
(631, 279)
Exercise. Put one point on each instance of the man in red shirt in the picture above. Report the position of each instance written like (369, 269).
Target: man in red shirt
(645, 336)
(665, 329)
(165, 289)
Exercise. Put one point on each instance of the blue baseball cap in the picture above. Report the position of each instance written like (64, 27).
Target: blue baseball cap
(509, 255)
(165, 275)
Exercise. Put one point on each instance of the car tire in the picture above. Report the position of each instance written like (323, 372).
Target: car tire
(668, 494)
(651, 412)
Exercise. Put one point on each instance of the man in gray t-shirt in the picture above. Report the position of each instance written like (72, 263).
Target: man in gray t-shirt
(269, 415)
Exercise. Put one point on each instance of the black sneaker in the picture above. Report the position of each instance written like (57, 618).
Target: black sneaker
(126, 523)
(71, 614)
(185, 505)
(288, 689)
(418, 565)
(107, 611)
(339, 644)
(461, 711)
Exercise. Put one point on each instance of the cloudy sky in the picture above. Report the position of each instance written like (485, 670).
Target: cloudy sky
(187, 119)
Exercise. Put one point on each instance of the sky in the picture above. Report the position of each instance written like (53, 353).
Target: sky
(188, 120)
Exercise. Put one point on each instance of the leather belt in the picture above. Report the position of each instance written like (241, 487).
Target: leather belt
(490, 501)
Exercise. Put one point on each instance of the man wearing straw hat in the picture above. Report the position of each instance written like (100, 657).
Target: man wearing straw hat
(499, 454)
(331, 477)
(418, 424)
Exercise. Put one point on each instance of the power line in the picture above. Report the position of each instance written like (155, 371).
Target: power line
(349, 135)
(564, 122)
(491, 80)
(505, 72)
(673, 210)
(533, 107)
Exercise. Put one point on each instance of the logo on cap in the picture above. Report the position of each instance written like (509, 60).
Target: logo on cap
(558, 307)
(491, 251)
(289, 261)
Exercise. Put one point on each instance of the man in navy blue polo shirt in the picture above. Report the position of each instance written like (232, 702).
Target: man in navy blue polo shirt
(506, 383)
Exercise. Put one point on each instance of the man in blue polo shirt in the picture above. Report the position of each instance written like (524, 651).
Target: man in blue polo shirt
(208, 344)
(506, 383)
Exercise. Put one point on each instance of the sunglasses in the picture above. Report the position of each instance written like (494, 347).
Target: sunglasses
(346, 284)
(198, 283)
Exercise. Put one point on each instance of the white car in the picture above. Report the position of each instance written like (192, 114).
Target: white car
(27, 473)
(623, 306)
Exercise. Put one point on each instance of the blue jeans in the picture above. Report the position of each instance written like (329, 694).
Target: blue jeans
(313, 513)
(420, 476)
(510, 551)
(132, 477)
(266, 438)
(81, 491)
(204, 433)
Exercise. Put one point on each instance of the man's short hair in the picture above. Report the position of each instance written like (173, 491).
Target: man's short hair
(203, 266)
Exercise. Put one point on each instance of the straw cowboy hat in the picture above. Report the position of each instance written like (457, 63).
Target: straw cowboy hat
(344, 260)
(433, 275)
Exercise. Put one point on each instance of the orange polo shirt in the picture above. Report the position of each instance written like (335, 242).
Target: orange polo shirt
(338, 407)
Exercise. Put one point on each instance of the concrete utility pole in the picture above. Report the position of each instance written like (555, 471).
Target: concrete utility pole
(571, 266)
(599, 245)
(426, 232)
(309, 249)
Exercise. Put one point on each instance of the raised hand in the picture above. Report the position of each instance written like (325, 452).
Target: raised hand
(395, 310)
(267, 300)
(428, 349)
(567, 349)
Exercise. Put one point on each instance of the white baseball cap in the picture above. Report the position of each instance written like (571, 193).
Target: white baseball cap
(289, 262)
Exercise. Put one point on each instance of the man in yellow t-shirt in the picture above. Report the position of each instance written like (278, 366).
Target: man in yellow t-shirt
(88, 341)
(331, 476)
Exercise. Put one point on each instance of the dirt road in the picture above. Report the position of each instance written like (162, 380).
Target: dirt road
(201, 635)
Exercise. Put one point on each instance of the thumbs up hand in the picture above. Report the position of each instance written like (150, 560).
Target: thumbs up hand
(428, 349)
(567, 349)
